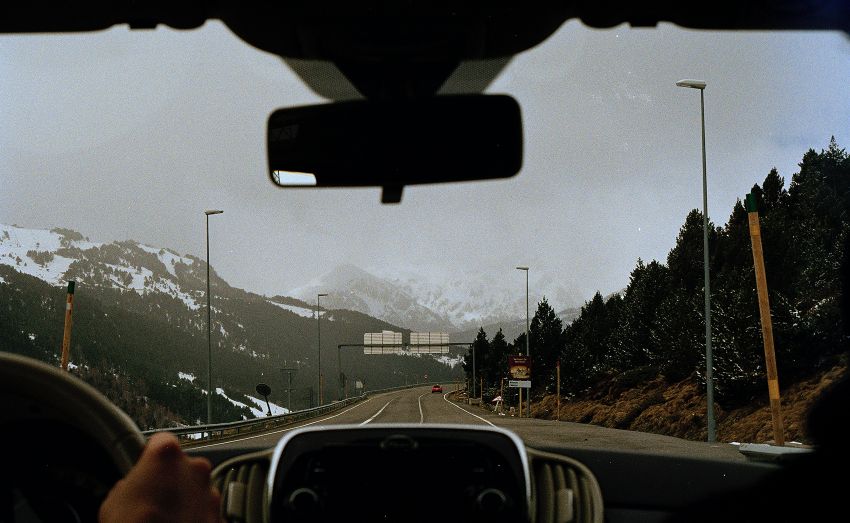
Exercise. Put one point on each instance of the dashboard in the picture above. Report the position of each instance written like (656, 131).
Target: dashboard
(412, 473)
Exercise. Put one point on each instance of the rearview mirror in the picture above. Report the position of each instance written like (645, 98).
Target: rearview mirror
(397, 143)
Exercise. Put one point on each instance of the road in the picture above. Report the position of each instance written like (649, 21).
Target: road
(420, 405)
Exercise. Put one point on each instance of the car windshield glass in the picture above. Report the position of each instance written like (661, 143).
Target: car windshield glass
(572, 292)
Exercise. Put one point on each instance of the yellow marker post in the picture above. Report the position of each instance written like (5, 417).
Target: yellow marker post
(766, 324)
(66, 337)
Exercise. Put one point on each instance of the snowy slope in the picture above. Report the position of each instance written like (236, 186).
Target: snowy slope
(34, 252)
(58, 255)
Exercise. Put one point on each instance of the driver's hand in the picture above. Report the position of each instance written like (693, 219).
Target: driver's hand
(165, 485)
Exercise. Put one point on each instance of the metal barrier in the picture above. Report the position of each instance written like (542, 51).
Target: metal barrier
(223, 431)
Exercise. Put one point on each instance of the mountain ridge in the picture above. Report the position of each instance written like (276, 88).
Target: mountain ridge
(140, 326)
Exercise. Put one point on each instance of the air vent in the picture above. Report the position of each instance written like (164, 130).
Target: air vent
(563, 490)
(242, 483)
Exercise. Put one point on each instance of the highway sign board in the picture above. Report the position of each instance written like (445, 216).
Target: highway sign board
(385, 342)
(429, 342)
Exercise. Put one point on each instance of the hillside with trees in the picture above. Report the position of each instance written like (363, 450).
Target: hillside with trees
(654, 331)
(140, 335)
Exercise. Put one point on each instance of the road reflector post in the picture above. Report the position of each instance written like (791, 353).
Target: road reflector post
(66, 337)
(766, 324)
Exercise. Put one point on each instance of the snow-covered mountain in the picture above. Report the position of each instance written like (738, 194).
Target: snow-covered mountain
(349, 287)
(485, 297)
(437, 301)
(417, 300)
(58, 255)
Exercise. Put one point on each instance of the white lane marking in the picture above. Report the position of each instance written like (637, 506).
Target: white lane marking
(421, 415)
(463, 409)
(264, 434)
(377, 413)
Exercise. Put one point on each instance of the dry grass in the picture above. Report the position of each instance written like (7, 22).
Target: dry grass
(679, 409)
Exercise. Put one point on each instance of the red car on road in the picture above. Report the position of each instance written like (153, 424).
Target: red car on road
(436, 388)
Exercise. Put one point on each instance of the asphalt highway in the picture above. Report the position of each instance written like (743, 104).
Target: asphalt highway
(420, 405)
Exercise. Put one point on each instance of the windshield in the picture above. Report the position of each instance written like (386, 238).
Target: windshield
(119, 146)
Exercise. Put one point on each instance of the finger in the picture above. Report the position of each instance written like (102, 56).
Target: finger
(200, 470)
(163, 446)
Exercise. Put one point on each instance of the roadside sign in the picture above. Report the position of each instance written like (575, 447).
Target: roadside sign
(519, 367)
(519, 384)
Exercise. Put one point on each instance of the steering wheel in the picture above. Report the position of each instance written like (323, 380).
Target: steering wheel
(64, 443)
(31, 390)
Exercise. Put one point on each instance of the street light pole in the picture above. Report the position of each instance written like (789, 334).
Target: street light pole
(319, 332)
(709, 373)
(528, 399)
(209, 322)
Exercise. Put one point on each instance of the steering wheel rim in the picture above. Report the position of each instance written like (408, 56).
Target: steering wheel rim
(43, 391)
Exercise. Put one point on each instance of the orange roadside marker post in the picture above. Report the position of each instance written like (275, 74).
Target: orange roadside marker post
(66, 337)
(766, 324)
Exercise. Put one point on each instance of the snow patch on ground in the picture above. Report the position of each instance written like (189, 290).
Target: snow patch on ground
(221, 393)
(276, 409)
(451, 361)
(137, 276)
(301, 311)
(172, 289)
(168, 258)
(258, 411)
(186, 376)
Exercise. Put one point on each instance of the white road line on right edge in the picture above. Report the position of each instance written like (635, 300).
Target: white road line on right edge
(377, 413)
(463, 409)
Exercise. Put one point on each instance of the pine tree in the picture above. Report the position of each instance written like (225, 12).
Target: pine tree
(636, 342)
(588, 340)
(546, 339)
(497, 362)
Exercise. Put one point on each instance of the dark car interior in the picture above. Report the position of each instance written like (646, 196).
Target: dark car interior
(378, 60)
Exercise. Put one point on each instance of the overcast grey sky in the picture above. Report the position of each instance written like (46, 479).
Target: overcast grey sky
(131, 135)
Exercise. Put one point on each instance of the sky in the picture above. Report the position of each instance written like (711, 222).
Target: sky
(131, 135)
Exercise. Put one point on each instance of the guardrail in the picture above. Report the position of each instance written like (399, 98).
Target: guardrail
(189, 435)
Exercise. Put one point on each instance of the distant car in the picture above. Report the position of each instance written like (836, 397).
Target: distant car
(436, 388)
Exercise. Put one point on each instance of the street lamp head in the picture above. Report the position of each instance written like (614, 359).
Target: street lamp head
(693, 84)
(522, 268)
(213, 211)
(321, 295)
